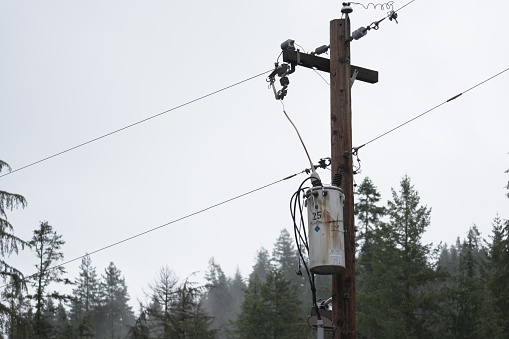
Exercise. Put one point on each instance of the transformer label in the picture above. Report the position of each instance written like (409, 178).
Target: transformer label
(336, 257)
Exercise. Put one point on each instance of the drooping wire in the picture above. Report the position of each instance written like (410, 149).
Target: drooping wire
(169, 223)
(431, 109)
(296, 130)
(134, 124)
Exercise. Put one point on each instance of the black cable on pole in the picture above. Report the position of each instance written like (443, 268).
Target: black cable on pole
(169, 223)
(432, 109)
(134, 124)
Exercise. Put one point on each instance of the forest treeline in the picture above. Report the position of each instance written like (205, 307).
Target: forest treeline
(405, 288)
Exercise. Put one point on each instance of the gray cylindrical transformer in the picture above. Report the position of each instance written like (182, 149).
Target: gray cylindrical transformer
(326, 230)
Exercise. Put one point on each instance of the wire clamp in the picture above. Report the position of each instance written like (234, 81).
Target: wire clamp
(282, 71)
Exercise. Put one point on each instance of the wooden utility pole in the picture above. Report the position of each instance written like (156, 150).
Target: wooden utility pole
(343, 285)
(342, 75)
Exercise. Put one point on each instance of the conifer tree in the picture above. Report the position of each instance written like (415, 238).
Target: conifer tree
(270, 310)
(262, 265)
(114, 316)
(498, 265)
(253, 315)
(85, 299)
(217, 299)
(175, 311)
(286, 258)
(366, 210)
(9, 244)
(188, 316)
(47, 245)
(399, 264)
(368, 214)
(141, 329)
(469, 293)
(163, 296)
(237, 286)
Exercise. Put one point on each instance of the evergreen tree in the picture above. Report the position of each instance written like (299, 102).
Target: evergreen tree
(9, 244)
(270, 309)
(368, 217)
(218, 300)
(18, 321)
(47, 245)
(163, 295)
(175, 311)
(498, 268)
(85, 299)
(262, 265)
(253, 315)
(62, 324)
(400, 264)
(114, 316)
(141, 329)
(188, 317)
(286, 258)
(469, 293)
(366, 209)
(237, 286)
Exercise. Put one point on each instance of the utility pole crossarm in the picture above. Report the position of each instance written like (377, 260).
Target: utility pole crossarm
(323, 64)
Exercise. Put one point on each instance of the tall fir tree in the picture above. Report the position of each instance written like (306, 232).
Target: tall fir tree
(189, 318)
(369, 215)
(270, 310)
(261, 267)
(10, 244)
(498, 266)
(47, 245)
(114, 317)
(218, 299)
(85, 299)
(237, 286)
(286, 258)
(400, 265)
(469, 293)
(163, 296)
(175, 310)
(366, 209)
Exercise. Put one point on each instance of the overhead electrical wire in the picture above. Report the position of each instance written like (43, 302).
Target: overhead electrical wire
(172, 222)
(431, 109)
(134, 124)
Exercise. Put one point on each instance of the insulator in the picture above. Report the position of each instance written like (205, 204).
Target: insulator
(338, 177)
(359, 33)
(347, 9)
(284, 81)
(288, 44)
(321, 49)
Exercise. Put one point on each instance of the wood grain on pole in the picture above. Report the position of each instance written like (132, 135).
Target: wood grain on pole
(343, 285)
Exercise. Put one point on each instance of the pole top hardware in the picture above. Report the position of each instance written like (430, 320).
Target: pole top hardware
(347, 9)
(281, 71)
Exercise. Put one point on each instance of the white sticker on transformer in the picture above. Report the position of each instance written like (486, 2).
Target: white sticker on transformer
(335, 257)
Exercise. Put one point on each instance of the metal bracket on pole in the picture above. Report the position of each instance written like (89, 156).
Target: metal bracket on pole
(354, 76)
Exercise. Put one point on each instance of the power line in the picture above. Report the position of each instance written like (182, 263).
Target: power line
(134, 124)
(432, 109)
(172, 222)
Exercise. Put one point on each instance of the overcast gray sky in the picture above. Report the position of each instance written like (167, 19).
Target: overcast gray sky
(71, 71)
